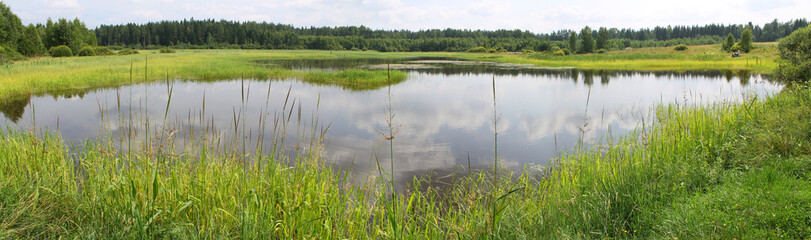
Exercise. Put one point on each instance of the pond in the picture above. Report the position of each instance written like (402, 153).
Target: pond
(443, 114)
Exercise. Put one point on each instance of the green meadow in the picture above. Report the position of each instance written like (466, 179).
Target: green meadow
(37, 75)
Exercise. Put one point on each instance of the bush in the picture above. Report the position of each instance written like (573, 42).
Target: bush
(492, 50)
(103, 51)
(601, 50)
(167, 50)
(60, 51)
(735, 48)
(559, 52)
(794, 51)
(477, 50)
(127, 51)
(87, 52)
(8, 55)
(566, 51)
(680, 47)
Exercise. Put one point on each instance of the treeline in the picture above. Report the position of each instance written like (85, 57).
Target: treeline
(64, 36)
(769, 32)
(17, 40)
(252, 35)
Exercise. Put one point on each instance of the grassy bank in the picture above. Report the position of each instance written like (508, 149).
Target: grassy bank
(728, 170)
(697, 57)
(46, 74)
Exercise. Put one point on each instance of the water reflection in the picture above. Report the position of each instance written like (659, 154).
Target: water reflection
(444, 114)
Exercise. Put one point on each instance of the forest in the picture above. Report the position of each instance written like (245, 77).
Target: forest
(209, 33)
(18, 40)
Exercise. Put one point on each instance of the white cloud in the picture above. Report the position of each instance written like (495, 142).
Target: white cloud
(537, 16)
(69, 4)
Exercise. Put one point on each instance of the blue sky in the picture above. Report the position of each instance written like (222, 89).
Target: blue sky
(539, 16)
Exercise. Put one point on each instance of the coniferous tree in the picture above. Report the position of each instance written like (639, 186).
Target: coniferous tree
(30, 44)
(587, 43)
(729, 42)
(746, 41)
(602, 38)
(573, 42)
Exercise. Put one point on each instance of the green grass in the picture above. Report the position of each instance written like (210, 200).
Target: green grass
(720, 171)
(46, 74)
(698, 57)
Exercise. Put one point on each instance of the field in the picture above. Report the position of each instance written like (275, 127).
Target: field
(43, 74)
(725, 170)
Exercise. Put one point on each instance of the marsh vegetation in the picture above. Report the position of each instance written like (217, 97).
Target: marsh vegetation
(603, 133)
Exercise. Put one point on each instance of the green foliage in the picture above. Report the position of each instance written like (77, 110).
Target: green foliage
(735, 47)
(103, 51)
(477, 50)
(127, 51)
(11, 29)
(727, 46)
(60, 51)
(601, 51)
(87, 51)
(559, 52)
(167, 50)
(680, 47)
(572, 42)
(528, 51)
(587, 41)
(8, 55)
(73, 34)
(746, 41)
(602, 38)
(566, 51)
(30, 44)
(795, 51)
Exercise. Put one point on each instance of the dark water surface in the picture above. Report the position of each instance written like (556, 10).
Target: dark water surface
(443, 113)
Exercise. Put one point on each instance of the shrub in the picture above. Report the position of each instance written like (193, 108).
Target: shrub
(87, 52)
(103, 51)
(492, 50)
(735, 48)
(559, 52)
(680, 47)
(528, 51)
(477, 50)
(601, 50)
(566, 51)
(60, 51)
(8, 55)
(167, 50)
(127, 51)
(794, 51)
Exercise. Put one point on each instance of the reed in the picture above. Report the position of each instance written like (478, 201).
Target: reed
(725, 170)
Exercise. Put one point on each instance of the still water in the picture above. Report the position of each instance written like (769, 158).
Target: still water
(443, 114)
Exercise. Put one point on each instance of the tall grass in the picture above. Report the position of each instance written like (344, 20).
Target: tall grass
(43, 74)
(726, 170)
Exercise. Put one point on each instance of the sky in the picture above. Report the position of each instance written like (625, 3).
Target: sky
(539, 16)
